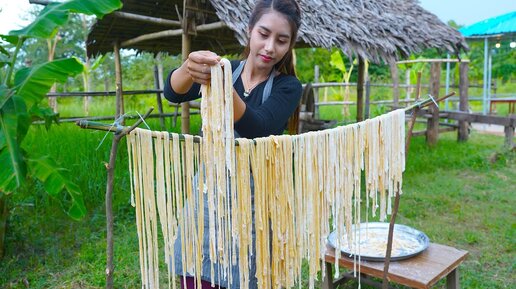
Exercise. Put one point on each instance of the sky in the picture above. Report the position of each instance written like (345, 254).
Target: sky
(463, 12)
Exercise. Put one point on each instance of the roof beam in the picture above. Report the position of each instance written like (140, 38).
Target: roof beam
(445, 60)
(148, 19)
(169, 33)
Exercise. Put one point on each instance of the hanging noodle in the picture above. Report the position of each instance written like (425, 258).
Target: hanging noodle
(305, 186)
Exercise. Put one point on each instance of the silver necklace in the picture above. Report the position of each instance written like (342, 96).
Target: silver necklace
(247, 92)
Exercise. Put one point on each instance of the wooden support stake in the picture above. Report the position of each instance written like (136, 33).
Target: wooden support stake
(463, 133)
(432, 131)
(109, 197)
(360, 89)
(111, 170)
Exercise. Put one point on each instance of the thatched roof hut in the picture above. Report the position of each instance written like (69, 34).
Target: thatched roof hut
(372, 29)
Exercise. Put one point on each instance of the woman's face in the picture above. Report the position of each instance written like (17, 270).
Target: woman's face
(269, 40)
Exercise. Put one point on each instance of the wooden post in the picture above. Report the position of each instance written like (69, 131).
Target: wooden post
(188, 21)
(316, 92)
(463, 100)
(158, 97)
(509, 137)
(118, 82)
(360, 89)
(327, 281)
(432, 130)
(367, 99)
(452, 280)
(408, 89)
(395, 84)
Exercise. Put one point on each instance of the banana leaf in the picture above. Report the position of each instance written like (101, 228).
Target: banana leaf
(33, 83)
(57, 181)
(56, 14)
(14, 123)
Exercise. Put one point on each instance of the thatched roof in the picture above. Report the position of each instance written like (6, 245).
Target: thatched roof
(373, 29)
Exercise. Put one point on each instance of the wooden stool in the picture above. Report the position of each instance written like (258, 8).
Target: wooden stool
(422, 271)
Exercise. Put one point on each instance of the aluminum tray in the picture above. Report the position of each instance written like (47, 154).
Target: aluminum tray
(407, 242)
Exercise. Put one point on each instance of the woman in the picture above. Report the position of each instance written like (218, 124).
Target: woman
(266, 90)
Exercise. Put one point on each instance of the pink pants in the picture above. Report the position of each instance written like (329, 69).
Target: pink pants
(191, 283)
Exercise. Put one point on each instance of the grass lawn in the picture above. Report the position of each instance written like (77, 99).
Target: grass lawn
(459, 194)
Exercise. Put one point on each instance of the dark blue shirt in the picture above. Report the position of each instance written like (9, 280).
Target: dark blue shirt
(259, 120)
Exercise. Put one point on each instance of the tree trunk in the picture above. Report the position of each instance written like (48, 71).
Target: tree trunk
(4, 212)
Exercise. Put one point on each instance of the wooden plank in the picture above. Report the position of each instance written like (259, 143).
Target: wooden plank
(421, 271)
(480, 118)
(423, 132)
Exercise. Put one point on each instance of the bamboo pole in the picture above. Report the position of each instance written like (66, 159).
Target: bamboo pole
(116, 128)
(185, 51)
(148, 19)
(170, 33)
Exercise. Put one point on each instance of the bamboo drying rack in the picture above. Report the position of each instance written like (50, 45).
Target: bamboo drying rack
(120, 131)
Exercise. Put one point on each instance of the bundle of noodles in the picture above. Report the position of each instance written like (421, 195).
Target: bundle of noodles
(304, 187)
(219, 157)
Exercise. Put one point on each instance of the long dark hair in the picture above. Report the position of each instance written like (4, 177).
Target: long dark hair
(290, 9)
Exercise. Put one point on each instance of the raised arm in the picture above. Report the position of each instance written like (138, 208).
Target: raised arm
(196, 68)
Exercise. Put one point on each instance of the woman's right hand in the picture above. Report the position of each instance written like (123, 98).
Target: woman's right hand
(198, 65)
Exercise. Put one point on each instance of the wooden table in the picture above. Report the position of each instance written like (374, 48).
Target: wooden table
(421, 271)
(509, 100)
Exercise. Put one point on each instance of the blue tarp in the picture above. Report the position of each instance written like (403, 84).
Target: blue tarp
(502, 24)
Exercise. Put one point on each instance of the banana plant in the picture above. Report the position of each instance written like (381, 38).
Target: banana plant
(21, 103)
(338, 62)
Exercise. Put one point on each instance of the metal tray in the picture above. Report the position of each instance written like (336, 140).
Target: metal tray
(407, 242)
